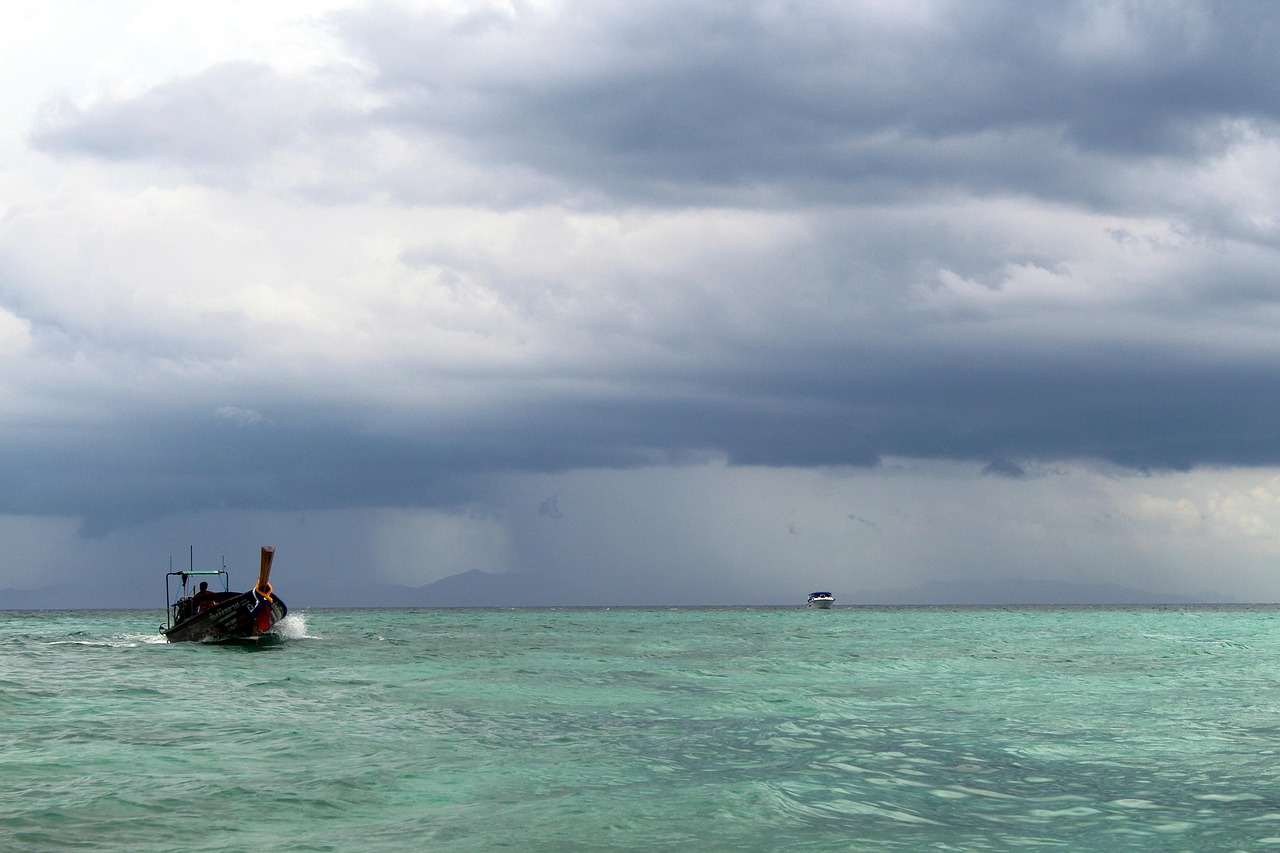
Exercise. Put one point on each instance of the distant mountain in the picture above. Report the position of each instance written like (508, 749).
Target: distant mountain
(481, 589)
(1011, 591)
(70, 598)
(469, 589)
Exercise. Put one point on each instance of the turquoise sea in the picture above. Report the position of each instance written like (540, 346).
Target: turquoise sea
(736, 729)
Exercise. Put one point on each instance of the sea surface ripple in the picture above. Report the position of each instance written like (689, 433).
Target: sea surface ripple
(736, 729)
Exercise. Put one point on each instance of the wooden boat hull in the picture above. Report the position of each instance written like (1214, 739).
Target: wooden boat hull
(235, 619)
(224, 617)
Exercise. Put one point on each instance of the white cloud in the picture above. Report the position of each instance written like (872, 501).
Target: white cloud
(15, 333)
(243, 417)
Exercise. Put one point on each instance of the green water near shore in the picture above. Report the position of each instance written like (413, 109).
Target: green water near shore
(647, 729)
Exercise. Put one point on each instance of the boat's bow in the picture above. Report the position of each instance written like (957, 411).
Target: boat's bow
(264, 570)
(264, 602)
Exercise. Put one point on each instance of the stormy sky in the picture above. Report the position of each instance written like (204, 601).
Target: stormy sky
(641, 303)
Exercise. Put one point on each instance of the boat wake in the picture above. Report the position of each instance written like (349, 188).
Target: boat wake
(127, 641)
(102, 643)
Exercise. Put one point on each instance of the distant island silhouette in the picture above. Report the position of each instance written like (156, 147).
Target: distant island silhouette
(475, 588)
(1011, 591)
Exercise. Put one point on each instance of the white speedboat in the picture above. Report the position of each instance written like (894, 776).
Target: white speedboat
(821, 600)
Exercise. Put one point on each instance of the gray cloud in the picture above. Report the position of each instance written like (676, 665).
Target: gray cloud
(1004, 468)
(218, 124)
(684, 99)
(1143, 416)
(610, 237)
(710, 102)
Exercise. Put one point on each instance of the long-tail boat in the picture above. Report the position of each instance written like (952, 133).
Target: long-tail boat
(219, 616)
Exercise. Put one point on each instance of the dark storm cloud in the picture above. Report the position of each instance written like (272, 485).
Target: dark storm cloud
(689, 101)
(1140, 416)
(807, 95)
(850, 116)
(179, 462)
(1004, 468)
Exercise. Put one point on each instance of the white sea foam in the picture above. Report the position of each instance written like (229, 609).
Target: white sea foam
(294, 627)
(126, 641)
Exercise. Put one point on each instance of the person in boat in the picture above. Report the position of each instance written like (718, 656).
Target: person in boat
(203, 599)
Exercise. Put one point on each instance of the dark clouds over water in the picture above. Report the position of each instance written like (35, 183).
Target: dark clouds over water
(454, 246)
